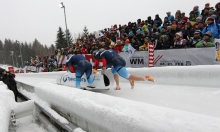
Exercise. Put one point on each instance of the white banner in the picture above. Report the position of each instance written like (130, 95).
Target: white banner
(173, 57)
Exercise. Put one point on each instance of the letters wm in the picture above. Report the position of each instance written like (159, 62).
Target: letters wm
(138, 61)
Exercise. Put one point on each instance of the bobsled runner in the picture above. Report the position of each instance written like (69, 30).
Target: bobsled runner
(105, 81)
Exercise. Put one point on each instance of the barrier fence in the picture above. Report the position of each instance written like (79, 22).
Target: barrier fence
(159, 58)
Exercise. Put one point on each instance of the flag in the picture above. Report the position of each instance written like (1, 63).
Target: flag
(131, 51)
(98, 34)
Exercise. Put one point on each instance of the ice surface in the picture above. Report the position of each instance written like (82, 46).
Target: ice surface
(118, 114)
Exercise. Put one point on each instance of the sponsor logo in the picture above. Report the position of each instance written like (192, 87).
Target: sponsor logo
(71, 79)
(65, 78)
(137, 60)
(175, 63)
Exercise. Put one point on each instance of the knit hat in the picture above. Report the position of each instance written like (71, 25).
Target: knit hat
(127, 41)
(210, 19)
(207, 4)
(208, 33)
(179, 34)
(197, 31)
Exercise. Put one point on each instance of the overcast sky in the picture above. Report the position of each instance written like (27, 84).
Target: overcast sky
(25, 20)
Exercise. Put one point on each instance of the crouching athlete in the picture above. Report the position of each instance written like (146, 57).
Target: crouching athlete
(81, 65)
(110, 58)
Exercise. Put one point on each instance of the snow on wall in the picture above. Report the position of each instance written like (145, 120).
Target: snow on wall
(6, 103)
(3, 86)
(207, 76)
(117, 114)
(41, 74)
(44, 105)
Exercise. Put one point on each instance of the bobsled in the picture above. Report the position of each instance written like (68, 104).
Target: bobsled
(105, 81)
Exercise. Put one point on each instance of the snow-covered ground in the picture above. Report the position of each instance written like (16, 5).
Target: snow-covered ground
(184, 98)
(7, 103)
(27, 124)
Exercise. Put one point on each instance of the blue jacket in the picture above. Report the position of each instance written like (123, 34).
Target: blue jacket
(171, 18)
(74, 60)
(213, 28)
(158, 20)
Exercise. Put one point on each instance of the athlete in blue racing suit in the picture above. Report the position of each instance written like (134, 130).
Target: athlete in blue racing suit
(118, 66)
(81, 65)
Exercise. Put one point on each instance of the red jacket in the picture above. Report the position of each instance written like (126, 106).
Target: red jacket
(118, 48)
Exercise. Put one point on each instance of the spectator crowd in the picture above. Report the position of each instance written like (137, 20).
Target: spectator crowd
(179, 30)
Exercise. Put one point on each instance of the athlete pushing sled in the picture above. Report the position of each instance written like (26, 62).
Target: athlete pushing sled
(110, 58)
(81, 65)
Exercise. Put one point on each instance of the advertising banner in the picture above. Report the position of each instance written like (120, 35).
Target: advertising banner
(173, 57)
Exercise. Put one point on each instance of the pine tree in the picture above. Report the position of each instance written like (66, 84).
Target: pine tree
(70, 38)
(1, 45)
(85, 31)
(37, 47)
(2, 53)
(52, 49)
(79, 36)
(61, 41)
(7, 48)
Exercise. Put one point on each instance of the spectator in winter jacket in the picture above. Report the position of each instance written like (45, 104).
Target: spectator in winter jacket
(192, 16)
(211, 26)
(178, 16)
(205, 14)
(195, 39)
(58, 52)
(198, 20)
(200, 26)
(118, 47)
(163, 32)
(166, 22)
(145, 45)
(187, 31)
(211, 14)
(164, 42)
(206, 7)
(155, 39)
(179, 42)
(196, 11)
(127, 43)
(170, 17)
(157, 20)
(207, 40)
(1, 75)
(145, 26)
(9, 80)
(135, 44)
(172, 33)
(217, 12)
